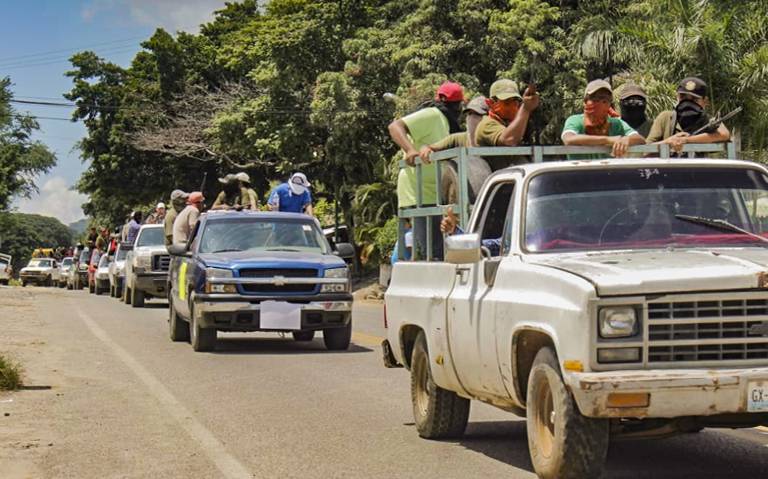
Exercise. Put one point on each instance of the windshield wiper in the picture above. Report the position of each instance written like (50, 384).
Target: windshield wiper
(721, 225)
(283, 249)
(229, 250)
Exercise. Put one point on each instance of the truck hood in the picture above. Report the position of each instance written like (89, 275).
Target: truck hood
(149, 250)
(35, 269)
(271, 259)
(665, 271)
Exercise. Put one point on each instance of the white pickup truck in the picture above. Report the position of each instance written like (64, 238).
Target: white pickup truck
(610, 298)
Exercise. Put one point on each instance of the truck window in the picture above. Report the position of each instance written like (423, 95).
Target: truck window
(495, 210)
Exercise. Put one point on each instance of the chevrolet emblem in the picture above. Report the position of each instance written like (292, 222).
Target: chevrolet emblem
(759, 329)
(279, 281)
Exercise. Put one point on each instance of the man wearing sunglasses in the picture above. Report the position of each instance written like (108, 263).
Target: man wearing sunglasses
(599, 125)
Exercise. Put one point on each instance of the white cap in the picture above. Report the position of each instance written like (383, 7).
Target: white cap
(243, 176)
(160, 205)
(299, 183)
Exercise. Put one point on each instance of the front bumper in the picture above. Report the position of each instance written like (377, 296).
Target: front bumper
(672, 393)
(232, 315)
(33, 277)
(153, 283)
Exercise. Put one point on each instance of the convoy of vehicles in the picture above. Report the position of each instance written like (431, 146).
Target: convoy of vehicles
(146, 267)
(254, 271)
(6, 270)
(40, 271)
(627, 299)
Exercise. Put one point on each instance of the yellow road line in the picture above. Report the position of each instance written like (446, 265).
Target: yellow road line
(366, 339)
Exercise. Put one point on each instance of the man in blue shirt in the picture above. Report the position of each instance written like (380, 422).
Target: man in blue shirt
(292, 196)
(133, 227)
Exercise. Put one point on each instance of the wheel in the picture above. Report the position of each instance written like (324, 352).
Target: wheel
(178, 328)
(23, 284)
(303, 335)
(48, 282)
(202, 339)
(127, 295)
(479, 170)
(437, 412)
(137, 298)
(98, 289)
(91, 287)
(337, 339)
(563, 443)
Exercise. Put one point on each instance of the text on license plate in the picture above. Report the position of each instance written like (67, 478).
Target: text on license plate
(757, 396)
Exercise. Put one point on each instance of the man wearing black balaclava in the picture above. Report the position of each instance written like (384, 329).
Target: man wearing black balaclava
(632, 102)
(676, 127)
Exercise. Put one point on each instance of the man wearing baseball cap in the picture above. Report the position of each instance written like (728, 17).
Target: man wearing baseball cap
(292, 196)
(249, 198)
(599, 125)
(178, 202)
(632, 103)
(158, 216)
(676, 127)
(508, 114)
(185, 221)
(425, 126)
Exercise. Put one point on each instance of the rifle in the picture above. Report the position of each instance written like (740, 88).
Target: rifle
(715, 122)
(202, 185)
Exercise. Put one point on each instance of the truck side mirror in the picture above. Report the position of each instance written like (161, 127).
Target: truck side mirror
(463, 249)
(344, 250)
(178, 249)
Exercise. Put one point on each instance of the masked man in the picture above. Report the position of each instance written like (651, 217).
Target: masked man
(632, 103)
(599, 125)
(676, 127)
(425, 126)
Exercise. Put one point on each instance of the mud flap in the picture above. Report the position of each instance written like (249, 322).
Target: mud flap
(389, 358)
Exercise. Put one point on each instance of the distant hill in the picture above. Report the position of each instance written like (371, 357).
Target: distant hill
(78, 227)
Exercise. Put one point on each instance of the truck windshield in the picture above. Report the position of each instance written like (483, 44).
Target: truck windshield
(151, 237)
(120, 255)
(635, 208)
(40, 263)
(264, 234)
(66, 262)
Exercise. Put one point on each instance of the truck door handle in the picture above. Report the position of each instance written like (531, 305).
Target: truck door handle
(462, 270)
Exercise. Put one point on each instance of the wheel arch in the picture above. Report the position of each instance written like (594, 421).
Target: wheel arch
(408, 335)
(526, 343)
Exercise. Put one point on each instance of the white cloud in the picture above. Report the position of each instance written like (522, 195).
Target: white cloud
(56, 199)
(172, 15)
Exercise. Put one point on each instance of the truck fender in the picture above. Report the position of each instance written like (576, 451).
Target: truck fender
(527, 339)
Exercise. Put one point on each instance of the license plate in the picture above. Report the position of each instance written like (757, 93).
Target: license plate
(757, 396)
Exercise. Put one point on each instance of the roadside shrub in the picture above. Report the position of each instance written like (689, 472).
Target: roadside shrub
(10, 374)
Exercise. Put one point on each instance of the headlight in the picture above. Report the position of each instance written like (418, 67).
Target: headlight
(339, 287)
(618, 322)
(143, 261)
(219, 288)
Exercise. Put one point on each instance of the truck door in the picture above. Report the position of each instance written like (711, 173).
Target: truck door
(471, 322)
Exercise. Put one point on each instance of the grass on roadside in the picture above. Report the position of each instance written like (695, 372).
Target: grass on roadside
(10, 374)
(14, 282)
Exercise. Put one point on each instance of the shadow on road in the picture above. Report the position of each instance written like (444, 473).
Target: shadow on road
(711, 454)
(156, 305)
(277, 345)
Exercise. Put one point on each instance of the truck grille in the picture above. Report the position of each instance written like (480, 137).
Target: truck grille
(275, 289)
(161, 262)
(708, 330)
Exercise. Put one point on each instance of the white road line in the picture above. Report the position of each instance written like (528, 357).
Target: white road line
(229, 467)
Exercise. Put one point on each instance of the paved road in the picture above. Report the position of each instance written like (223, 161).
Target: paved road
(127, 402)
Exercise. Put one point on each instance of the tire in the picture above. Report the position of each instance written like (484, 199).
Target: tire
(137, 298)
(127, 295)
(303, 335)
(338, 339)
(48, 282)
(563, 443)
(23, 284)
(202, 339)
(437, 412)
(479, 170)
(178, 328)
(91, 287)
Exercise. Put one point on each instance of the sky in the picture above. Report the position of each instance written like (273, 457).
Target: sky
(36, 41)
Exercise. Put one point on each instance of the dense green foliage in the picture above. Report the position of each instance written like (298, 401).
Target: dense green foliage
(21, 233)
(21, 158)
(298, 84)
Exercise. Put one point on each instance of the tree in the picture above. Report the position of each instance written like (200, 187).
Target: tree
(21, 158)
(21, 233)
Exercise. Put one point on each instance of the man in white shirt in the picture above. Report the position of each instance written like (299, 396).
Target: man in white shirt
(185, 221)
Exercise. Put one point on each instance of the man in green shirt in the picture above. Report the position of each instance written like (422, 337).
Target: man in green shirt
(424, 127)
(508, 114)
(676, 127)
(598, 126)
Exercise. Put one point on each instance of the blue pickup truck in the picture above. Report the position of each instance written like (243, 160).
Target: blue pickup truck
(258, 271)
